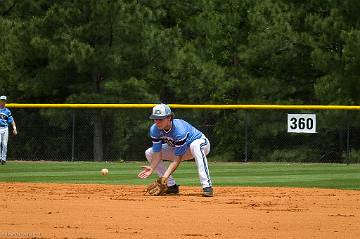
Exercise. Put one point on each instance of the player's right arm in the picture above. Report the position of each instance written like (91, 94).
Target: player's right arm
(148, 170)
(156, 147)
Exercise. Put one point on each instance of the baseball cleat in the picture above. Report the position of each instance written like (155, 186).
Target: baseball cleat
(174, 189)
(208, 192)
(3, 162)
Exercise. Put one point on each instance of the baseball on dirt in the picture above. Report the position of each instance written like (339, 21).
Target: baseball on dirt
(104, 171)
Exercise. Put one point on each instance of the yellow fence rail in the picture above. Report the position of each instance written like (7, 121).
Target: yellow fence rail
(186, 106)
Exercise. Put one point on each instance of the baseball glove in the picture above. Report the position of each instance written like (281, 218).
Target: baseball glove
(157, 188)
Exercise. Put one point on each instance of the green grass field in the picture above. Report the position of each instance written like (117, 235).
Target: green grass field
(340, 176)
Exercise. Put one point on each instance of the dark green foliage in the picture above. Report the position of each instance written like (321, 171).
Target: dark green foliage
(190, 52)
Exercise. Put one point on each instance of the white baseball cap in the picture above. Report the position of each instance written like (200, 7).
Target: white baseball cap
(160, 111)
(3, 97)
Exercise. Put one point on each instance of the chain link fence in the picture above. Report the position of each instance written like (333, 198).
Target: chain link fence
(235, 135)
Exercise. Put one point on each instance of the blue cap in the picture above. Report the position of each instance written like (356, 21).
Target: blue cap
(160, 111)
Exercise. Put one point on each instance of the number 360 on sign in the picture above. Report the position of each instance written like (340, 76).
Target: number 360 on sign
(302, 123)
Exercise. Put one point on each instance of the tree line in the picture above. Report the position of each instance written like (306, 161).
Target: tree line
(187, 52)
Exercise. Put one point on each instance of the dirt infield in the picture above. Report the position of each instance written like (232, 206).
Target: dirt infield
(36, 210)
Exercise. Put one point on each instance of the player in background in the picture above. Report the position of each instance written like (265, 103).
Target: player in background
(176, 140)
(5, 119)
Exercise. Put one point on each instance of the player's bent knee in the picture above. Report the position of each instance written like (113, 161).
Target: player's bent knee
(194, 146)
(148, 154)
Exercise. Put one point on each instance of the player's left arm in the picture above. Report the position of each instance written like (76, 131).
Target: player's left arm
(180, 149)
(11, 121)
(172, 166)
(14, 127)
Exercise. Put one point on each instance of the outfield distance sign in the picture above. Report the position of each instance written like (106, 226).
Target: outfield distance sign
(302, 123)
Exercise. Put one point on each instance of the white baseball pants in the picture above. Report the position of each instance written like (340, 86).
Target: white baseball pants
(198, 150)
(4, 137)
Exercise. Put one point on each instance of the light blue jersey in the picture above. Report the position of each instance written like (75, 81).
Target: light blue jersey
(180, 136)
(5, 117)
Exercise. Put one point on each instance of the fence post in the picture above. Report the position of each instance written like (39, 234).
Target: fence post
(347, 141)
(246, 137)
(73, 136)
